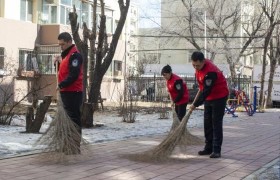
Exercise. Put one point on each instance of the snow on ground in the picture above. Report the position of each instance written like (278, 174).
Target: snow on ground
(14, 141)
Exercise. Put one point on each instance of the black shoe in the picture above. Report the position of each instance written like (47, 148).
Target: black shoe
(204, 152)
(215, 155)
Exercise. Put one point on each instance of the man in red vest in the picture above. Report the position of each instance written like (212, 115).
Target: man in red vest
(213, 92)
(178, 91)
(70, 78)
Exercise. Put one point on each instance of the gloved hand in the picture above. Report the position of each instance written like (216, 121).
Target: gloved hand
(192, 107)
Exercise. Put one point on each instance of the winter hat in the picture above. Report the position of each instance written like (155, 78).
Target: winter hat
(166, 69)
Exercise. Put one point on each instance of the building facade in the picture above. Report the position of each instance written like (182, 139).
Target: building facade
(30, 29)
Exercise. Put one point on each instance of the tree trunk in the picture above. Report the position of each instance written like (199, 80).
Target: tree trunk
(100, 58)
(87, 115)
(34, 126)
(29, 118)
(266, 43)
(261, 99)
(270, 81)
(232, 73)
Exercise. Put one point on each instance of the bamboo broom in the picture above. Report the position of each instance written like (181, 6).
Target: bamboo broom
(165, 148)
(62, 137)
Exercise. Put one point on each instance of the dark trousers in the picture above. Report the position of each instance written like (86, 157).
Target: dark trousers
(181, 110)
(72, 102)
(213, 124)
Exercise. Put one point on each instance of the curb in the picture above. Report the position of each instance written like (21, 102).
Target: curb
(261, 170)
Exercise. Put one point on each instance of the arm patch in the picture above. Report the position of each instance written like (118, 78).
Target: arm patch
(208, 82)
(178, 86)
(75, 62)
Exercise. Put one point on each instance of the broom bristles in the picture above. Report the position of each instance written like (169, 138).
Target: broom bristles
(178, 135)
(62, 137)
(166, 147)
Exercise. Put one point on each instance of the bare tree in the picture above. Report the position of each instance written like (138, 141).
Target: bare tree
(8, 106)
(100, 56)
(270, 9)
(224, 22)
(144, 61)
(223, 27)
(274, 56)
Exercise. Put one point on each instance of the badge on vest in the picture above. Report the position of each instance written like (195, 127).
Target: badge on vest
(75, 63)
(178, 86)
(208, 82)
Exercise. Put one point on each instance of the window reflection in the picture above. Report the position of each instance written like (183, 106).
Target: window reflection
(26, 10)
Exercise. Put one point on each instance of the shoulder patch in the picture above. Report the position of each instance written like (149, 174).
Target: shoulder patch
(75, 63)
(208, 82)
(178, 86)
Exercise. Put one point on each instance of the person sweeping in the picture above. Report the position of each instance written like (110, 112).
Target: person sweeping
(70, 82)
(178, 91)
(213, 92)
(179, 94)
(179, 134)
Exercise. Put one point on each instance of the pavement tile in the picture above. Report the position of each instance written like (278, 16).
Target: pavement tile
(249, 144)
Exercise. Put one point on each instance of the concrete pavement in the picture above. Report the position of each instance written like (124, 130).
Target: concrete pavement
(249, 144)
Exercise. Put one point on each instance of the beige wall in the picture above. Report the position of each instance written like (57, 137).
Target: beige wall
(7, 86)
(46, 85)
(16, 35)
(112, 90)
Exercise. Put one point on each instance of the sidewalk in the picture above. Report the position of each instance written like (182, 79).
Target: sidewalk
(249, 144)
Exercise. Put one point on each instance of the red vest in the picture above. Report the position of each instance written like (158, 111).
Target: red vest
(219, 89)
(173, 92)
(64, 72)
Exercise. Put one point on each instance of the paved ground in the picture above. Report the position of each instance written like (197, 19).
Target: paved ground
(249, 144)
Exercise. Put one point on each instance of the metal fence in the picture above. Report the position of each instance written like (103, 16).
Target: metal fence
(153, 87)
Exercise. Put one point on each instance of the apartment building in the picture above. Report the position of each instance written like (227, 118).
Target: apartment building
(29, 29)
(172, 39)
(131, 28)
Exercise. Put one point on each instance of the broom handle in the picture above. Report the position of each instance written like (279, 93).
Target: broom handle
(56, 69)
(56, 72)
(196, 96)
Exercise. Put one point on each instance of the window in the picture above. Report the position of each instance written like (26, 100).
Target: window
(26, 10)
(49, 15)
(109, 24)
(66, 2)
(117, 65)
(2, 56)
(66, 7)
(85, 15)
(46, 63)
(26, 63)
(45, 58)
(64, 12)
